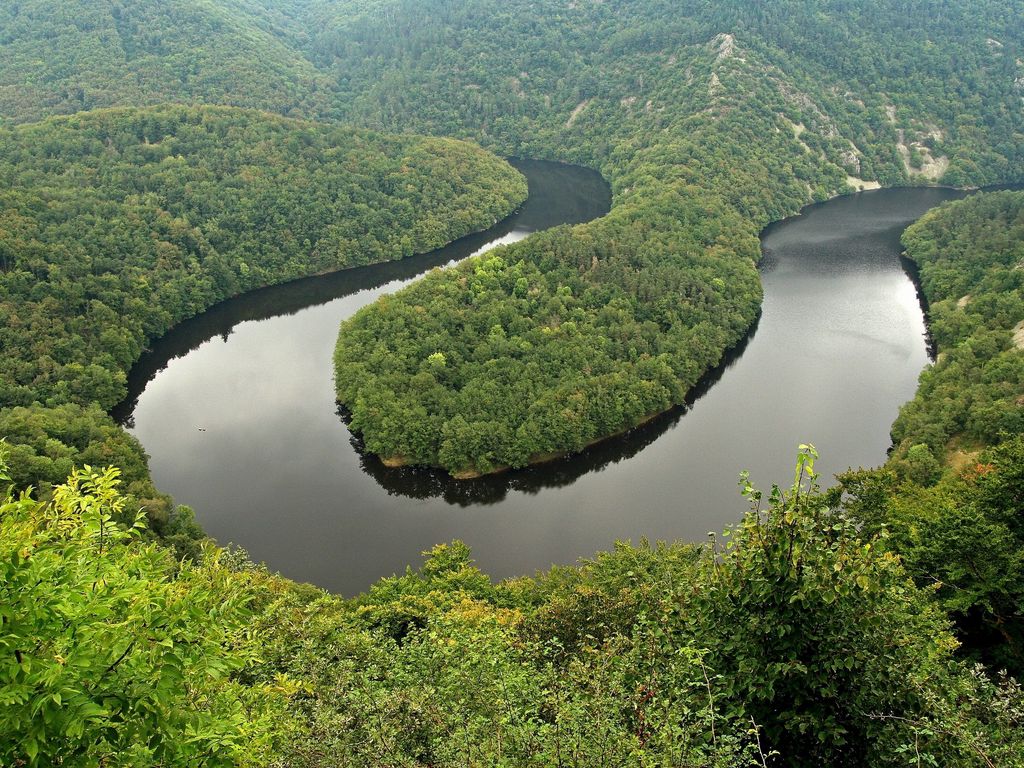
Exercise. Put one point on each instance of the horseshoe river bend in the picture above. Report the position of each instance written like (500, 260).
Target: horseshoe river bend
(237, 408)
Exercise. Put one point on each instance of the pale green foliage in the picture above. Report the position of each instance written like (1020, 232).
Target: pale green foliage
(797, 643)
(827, 643)
(430, 669)
(798, 638)
(112, 654)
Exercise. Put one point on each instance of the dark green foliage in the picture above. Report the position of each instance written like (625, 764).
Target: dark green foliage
(44, 445)
(726, 108)
(722, 108)
(964, 536)
(514, 71)
(112, 653)
(799, 643)
(119, 224)
(63, 56)
(550, 344)
(969, 254)
(732, 114)
(823, 638)
(802, 635)
(472, 682)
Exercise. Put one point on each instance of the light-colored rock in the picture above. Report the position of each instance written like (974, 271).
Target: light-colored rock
(862, 185)
(932, 167)
(726, 46)
(577, 112)
(851, 159)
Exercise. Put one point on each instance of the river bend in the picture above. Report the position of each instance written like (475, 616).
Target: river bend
(236, 408)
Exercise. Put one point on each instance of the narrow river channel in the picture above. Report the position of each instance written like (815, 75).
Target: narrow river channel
(236, 408)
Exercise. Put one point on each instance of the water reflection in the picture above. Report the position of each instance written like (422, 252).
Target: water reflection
(838, 348)
(424, 483)
(559, 194)
(290, 298)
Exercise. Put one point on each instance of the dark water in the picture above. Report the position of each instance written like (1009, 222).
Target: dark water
(239, 416)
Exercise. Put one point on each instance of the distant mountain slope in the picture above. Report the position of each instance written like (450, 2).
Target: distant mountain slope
(892, 91)
(62, 56)
(908, 83)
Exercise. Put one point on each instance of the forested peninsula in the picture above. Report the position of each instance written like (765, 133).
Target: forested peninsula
(117, 224)
(875, 624)
(706, 136)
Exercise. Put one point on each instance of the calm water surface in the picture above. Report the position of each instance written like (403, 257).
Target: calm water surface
(237, 411)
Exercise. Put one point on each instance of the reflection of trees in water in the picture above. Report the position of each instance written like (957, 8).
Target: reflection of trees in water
(424, 483)
(558, 194)
(287, 299)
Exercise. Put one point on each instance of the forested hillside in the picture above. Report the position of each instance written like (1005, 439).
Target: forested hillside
(547, 346)
(63, 56)
(721, 119)
(797, 643)
(118, 224)
(836, 629)
(892, 78)
(971, 261)
(951, 497)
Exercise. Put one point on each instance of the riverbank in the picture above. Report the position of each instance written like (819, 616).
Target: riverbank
(396, 461)
(838, 347)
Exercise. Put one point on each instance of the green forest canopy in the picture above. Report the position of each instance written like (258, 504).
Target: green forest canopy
(951, 496)
(120, 224)
(971, 260)
(709, 123)
(117, 224)
(797, 640)
(737, 111)
(802, 635)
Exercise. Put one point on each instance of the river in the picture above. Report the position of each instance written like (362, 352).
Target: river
(236, 408)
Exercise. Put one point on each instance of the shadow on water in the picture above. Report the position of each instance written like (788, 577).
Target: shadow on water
(556, 197)
(838, 347)
(426, 483)
(286, 299)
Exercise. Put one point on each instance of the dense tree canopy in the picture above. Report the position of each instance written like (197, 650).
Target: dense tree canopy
(817, 634)
(969, 254)
(716, 119)
(549, 345)
(905, 83)
(951, 495)
(735, 111)
(119, 224)
(64, 56)
(796, 643)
